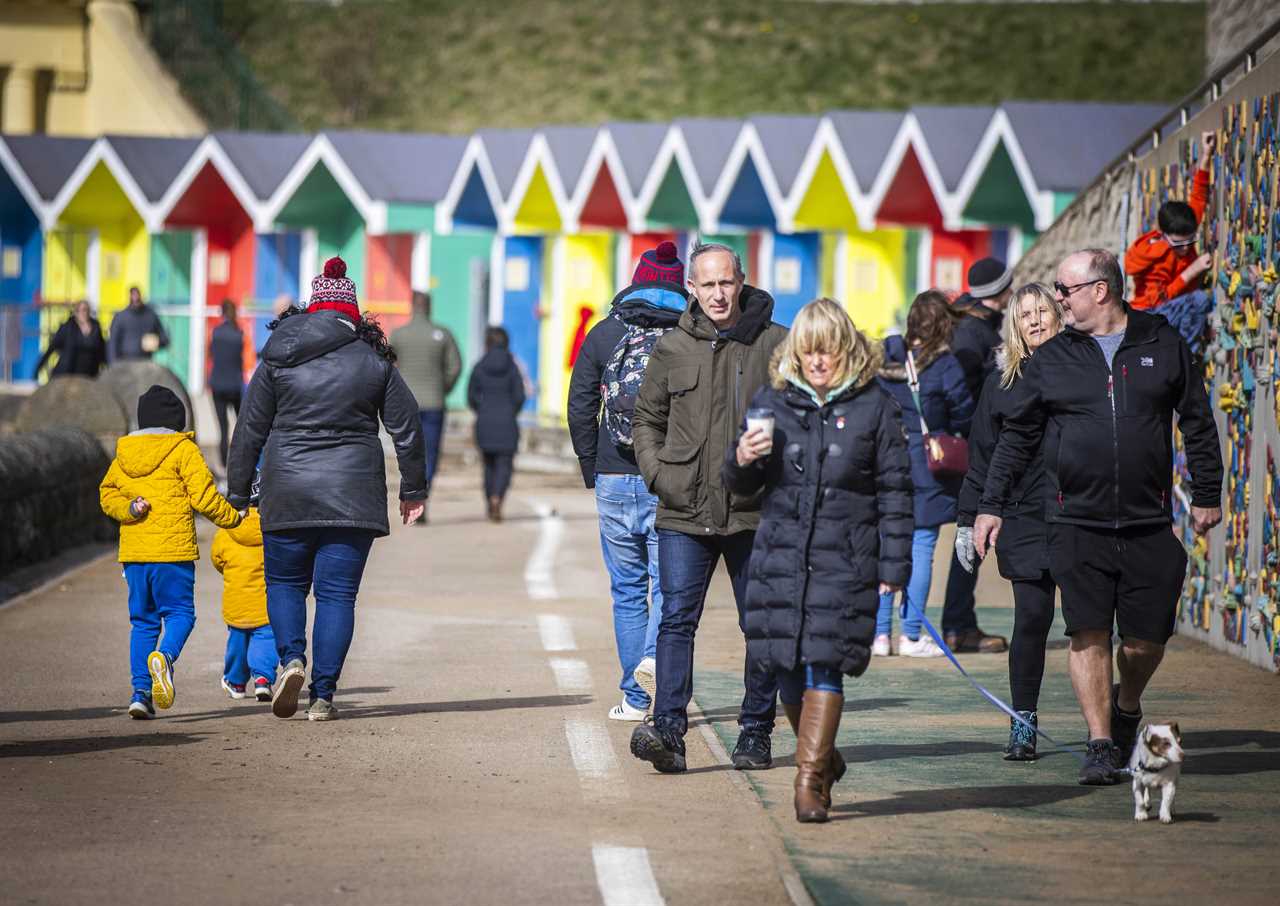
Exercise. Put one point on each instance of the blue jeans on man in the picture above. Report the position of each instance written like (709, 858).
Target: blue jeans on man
(629, 541)
(162, 596)
(432, 431)
(688, 562)
(923, 542)
(251, 653)
(331, 559)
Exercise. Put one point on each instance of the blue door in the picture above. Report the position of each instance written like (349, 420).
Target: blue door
(277, 262)
(21, 263)
(795, 273)
(521, 301)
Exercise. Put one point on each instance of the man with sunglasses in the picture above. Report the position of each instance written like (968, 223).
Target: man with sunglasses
(1101, 396)
(1163, 263)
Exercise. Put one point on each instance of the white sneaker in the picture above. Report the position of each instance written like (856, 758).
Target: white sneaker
(881, 647)
(624, 711)
(646, 677)
(921, 647)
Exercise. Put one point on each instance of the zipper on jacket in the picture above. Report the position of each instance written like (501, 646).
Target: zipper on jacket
(1115, 444)
(737, 394)
(813, 517)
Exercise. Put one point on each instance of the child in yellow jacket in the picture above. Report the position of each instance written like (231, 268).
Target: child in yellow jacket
(154, 487)
(251, 646)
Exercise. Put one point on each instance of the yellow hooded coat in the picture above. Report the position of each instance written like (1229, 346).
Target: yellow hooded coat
(168, 471)
(237, 554)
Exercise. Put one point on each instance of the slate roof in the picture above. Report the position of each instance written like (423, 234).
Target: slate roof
(401, 167)
(263, 159)
(48, 161)
(865, 137)
(507, 149)
(952, 135)
(1067, 144)
(638, 145)
(786, 140)
(710, 140)
(154, 163)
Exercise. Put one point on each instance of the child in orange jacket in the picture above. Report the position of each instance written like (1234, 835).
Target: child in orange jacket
(1163, 263)
(251, 646)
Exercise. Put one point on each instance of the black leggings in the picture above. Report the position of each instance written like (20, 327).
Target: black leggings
(497, 474)
(1032, 620)
(221, 402)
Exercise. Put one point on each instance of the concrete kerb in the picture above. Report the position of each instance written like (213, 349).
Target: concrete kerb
(57, 571)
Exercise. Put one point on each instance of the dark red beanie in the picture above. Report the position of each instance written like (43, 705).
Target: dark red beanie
(660, 265)
(334, 290)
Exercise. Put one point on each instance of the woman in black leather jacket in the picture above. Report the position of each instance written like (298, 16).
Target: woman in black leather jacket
(1034, 317)
(311, 412)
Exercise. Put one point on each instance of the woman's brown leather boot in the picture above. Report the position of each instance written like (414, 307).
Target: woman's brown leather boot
(835, 766)
(819, 721)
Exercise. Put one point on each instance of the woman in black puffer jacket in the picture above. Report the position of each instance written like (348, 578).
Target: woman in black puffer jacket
(835, 528)
(311, 412)
(496, 394)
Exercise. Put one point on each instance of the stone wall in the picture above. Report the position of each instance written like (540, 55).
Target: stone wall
(1232, 23)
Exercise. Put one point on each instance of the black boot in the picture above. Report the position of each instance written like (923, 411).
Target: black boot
(754, 751)
(662, 747)
(1022, 740)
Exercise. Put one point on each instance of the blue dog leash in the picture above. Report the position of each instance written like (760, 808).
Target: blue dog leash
(983, 690)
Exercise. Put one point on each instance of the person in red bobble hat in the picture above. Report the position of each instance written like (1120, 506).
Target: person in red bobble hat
(307, 415)
(609, 369)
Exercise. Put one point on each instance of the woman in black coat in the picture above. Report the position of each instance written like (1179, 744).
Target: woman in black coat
(226, 376)
(311, 412)
(496, 393)
(1021, 552)
(835, 529)
(78, 344)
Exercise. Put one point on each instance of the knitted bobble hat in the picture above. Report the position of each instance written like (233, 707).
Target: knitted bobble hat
(660, 265)
(334, 290)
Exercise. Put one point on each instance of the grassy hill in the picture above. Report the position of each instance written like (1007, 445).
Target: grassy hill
(454, 65)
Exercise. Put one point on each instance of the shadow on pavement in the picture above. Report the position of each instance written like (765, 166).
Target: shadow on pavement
(851, 706)
(954, 799)
(18, 717)
(889, 751)
(475, 704)
(81, 745)
(1254, 751)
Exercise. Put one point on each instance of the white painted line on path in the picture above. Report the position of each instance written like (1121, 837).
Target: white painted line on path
(573, 677)
(593, 757)
(625, 877)
(557, 634)
(539, 571)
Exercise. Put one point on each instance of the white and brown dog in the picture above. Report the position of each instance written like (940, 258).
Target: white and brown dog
(1156, 761)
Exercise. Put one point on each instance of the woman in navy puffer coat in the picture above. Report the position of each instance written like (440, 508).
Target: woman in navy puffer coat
(948, 409)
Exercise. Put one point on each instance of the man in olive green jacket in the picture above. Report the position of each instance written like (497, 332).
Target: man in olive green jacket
(428, 358)
(696, 389)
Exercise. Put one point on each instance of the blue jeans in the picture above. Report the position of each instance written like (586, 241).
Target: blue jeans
(333, 560)
(792, 683)
(630, 545)
(432, 430)
(688, 562)
(161, 596)
(1187, 314)
(923, 541)
(251, 653)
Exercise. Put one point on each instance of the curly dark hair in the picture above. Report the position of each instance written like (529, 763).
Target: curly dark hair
(930, 323)
(367, 329)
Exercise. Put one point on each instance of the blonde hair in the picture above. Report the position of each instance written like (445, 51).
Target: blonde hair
(1016, 350)
(824, 326)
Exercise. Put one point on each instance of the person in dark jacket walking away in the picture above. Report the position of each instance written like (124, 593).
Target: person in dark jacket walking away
(496, 393)
(1022, 553)
(976, 339)
(947, 409)
(609, 370)
(226, 377)
(136, 331)
(311, 412)
(1100, 396)
(428, 359)
(78, 344)
(696, 390)
(835, 528)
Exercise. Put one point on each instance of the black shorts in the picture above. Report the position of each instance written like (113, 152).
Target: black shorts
(1131, 577)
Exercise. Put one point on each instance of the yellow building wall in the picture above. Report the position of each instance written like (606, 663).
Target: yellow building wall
(579, 271)
(875, 278)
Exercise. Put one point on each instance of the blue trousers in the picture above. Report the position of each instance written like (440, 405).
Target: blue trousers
(331, 559)
(1188, 314)
(162, 598)
(630, 544)
(923, 542)
(792, 683)
(688, 562)
(251, 653)
(432, 431)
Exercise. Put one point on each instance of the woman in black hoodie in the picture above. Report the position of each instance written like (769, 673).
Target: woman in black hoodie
(496, 393)
(835, 528)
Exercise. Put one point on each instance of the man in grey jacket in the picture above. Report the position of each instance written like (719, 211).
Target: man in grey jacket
(430, 364)
(136, 331)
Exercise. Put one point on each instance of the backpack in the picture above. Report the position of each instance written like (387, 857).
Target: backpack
(620, 381)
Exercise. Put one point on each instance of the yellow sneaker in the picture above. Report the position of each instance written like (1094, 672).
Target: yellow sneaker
(161, 679)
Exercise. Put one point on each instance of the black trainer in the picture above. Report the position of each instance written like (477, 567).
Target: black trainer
(1100, 765)
(1124, 727)
(753, 751)
(662, 748)
(1022, 739)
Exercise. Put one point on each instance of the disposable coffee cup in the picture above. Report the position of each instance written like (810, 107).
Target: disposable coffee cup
(762, 420)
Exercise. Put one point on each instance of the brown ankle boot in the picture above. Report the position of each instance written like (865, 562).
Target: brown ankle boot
(835, 766)
(495, 509)
(819, 720)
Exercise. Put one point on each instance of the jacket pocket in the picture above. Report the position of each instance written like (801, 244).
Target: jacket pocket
(677, 481)
(686, 416)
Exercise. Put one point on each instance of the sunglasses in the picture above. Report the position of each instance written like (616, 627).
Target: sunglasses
(1065, 291)
(1179, 243)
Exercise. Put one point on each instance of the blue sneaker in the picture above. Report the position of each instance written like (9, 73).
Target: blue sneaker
(140, 707)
